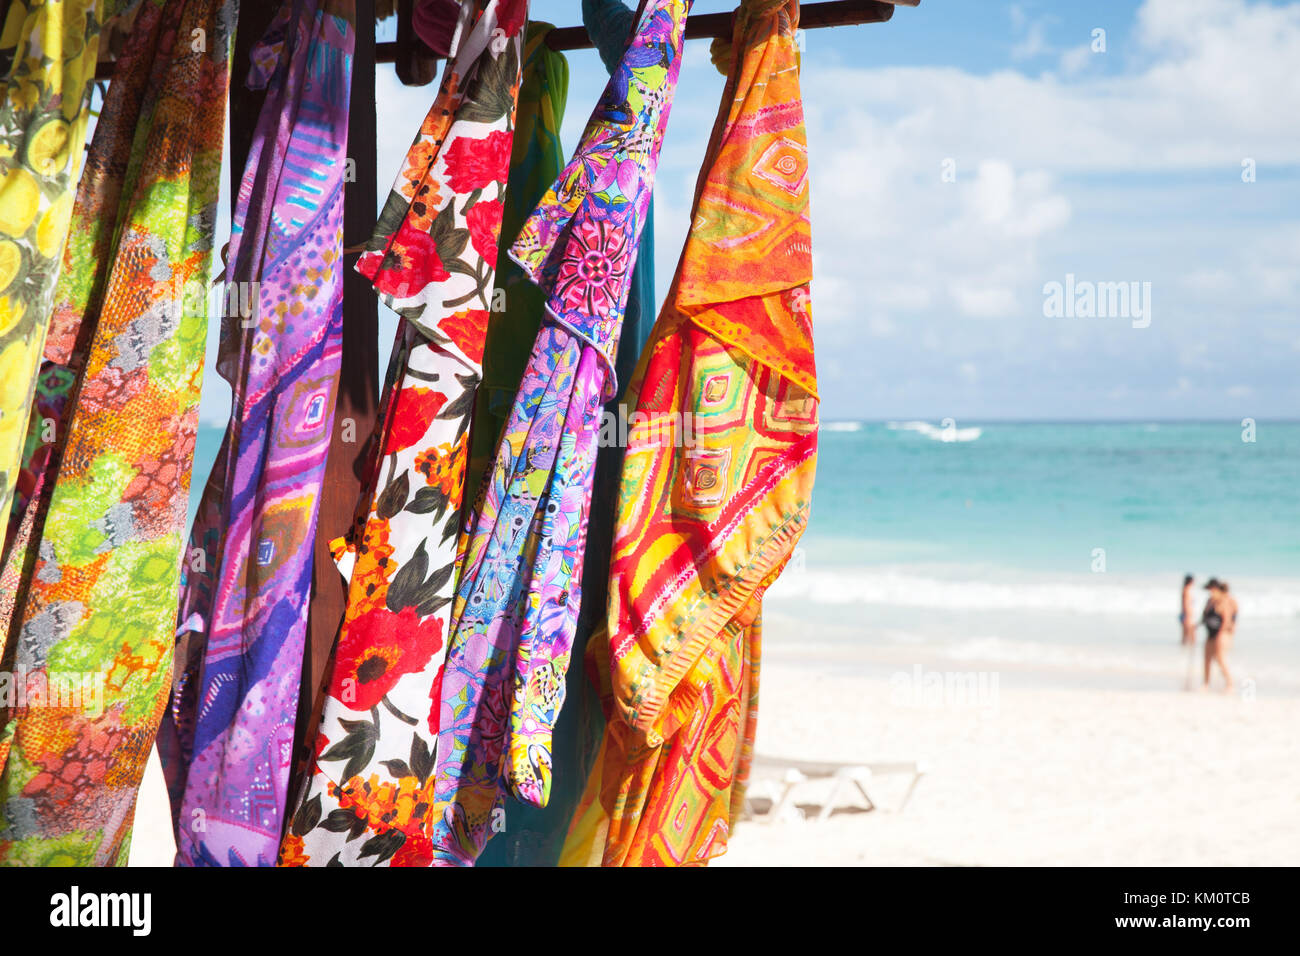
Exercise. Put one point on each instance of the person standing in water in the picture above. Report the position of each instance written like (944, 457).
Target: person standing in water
(1188, 619)
(1220, 619)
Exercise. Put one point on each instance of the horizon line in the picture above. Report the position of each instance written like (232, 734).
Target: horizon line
(1062, 421)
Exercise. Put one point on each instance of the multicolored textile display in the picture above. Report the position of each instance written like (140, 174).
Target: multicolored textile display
(227, 738)
(99, 563)
(48, 53)
(706, 525)
(368, 800)
(517, 600)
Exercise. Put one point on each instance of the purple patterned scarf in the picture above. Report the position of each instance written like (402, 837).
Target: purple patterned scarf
(226, 740)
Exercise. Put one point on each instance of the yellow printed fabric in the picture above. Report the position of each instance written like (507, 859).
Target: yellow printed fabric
(716, 482)
(48, 52)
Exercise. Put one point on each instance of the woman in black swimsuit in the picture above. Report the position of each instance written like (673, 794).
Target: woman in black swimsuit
(1218, 631)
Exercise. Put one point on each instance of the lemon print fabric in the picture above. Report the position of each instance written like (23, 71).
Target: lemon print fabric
(48, 53)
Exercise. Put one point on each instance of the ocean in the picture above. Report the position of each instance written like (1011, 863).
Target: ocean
(1053, 552)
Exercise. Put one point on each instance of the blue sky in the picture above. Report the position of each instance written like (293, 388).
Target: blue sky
(1122, 165)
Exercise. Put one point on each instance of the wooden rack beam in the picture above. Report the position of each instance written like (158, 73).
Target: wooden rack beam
(705, 26)
(709, 26)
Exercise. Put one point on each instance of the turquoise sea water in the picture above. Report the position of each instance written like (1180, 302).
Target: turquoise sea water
(1159, 498)
(1053, 547)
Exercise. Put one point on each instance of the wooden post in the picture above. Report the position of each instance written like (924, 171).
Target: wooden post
(705, 26)
(416, 64)
(245, 104)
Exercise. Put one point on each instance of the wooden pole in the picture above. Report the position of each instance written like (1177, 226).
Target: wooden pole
(415, 63)
(245, 104)
(708, 26)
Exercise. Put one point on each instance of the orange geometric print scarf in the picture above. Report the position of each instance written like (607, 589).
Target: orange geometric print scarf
(716, 483)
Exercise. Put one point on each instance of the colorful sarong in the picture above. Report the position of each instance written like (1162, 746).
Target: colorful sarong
(226, 741)
(99, 558)
(709, 515)
(367, 801)
(48, 53)
(520, 583)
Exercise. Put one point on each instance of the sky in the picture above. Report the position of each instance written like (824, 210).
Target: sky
(965, 156)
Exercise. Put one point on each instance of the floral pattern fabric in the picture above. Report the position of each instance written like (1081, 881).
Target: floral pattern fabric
(99, 557)
(432, 257)
(48, 53)
(226, 740)
(706, 526)
(520, 583)
(367, 801)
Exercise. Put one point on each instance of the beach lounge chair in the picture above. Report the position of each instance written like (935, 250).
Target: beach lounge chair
(844, 778)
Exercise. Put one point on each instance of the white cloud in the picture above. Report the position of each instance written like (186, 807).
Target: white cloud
(1105, 175)
(990, 199)
(1215, 82)
(983, 301)
(1034, 43)
(1211, 280)
(881, 327)
(1194, 355)
(1076, 59)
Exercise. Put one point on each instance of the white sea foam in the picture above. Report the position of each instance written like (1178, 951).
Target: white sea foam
(840, 426)
(895, 587)
(1170, 661)
(945, 431)
(1070, 656)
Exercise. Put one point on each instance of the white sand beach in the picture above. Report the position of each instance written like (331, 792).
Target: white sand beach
(152, 843)
(1043, 777)
(1028, 775)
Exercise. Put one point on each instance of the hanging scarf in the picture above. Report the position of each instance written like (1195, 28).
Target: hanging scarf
(707, 523)
(48, 54)
(519, 590)
(100, 562)
(534, 836)
(535, 163)
(368, 798)
(243, 611)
